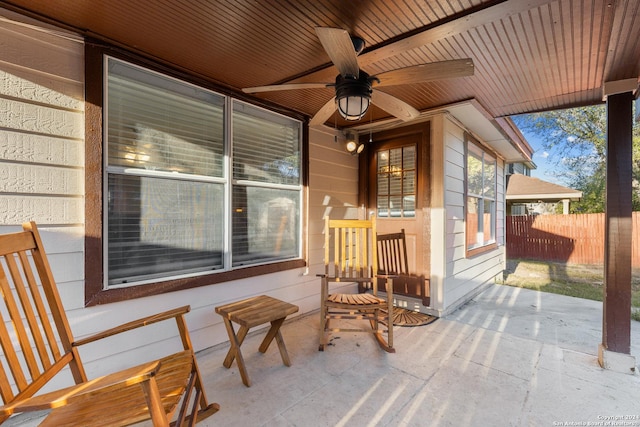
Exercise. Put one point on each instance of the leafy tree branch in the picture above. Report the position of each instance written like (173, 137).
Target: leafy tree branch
(577, 142)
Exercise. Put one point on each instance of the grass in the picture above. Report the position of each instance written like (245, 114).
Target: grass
(581, 281)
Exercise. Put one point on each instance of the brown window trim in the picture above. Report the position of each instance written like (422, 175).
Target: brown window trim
(470, 253)
(94, 274)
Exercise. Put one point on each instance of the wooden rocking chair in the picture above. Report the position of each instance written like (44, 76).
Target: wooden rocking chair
(37, 344)
(393, 260)
(350, 257)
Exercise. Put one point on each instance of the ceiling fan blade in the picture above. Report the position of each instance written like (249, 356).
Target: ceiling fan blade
(324, 113)
(427, 72)
(338, 45)
(287, 86)
(394, 106)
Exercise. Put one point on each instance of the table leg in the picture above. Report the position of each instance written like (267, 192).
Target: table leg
(283, 349)
(275, 328)
(274, 332)
(231, 354)
(234, 351)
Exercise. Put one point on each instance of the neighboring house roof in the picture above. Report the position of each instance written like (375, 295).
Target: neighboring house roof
(528, 189)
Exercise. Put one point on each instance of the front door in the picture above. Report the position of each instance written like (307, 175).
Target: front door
(395, 186)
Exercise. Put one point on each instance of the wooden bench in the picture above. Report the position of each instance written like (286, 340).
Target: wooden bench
(249, 313)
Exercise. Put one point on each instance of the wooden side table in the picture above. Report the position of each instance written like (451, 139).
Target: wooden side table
(254, 312)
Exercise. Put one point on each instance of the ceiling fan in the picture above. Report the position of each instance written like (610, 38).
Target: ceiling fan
(354, 87)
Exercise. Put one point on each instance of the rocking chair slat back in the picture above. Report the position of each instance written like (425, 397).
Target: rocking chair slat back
(34, 352)
(392, 254)
(352, 255)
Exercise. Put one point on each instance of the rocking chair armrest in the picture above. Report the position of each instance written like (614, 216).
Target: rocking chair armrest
(386, 277)
(155, 318)
(83, 391)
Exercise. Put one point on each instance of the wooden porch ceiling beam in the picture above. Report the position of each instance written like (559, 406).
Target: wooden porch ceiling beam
(456, 24)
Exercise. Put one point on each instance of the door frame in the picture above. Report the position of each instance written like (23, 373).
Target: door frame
(367, 163)
(418, 227)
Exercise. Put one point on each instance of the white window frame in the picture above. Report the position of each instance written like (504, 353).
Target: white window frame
(480, 244)
(226, 180)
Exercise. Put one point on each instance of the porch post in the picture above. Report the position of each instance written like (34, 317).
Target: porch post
(614, 352)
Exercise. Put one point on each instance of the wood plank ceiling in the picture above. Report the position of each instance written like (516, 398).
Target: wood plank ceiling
(529, 55)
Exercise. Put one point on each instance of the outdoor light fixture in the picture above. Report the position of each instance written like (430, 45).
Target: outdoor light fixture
(352, 145)
(353, 95)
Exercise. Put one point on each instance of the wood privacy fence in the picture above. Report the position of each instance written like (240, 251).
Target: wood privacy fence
(574, 239)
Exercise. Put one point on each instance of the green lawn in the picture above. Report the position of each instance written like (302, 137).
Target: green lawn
(582, 281)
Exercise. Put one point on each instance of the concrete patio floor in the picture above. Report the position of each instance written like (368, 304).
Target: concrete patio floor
(510, 357)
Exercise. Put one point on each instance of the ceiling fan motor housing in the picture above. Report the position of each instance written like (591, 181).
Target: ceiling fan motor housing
(358, 44)
(353, 95)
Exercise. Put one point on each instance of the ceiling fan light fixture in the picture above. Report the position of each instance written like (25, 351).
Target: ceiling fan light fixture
(353, 96)
(354, 107)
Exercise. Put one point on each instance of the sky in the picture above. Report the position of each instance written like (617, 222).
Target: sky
(541, 158)
(549, 164)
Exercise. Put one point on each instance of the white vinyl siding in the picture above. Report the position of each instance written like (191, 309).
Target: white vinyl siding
(463, 277)
(42, 128)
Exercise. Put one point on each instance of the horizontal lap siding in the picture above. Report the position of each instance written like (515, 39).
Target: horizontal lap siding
(333, 191)
(464, 277)
(42, 145)
(42, 122)
(42, 150)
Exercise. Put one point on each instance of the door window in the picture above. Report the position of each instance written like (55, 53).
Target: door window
(396, 182)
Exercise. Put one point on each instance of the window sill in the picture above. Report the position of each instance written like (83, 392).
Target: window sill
(100, 296)
(482, 249)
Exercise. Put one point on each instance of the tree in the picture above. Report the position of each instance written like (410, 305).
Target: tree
(577, 139)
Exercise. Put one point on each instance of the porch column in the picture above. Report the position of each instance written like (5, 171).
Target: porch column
(614, 352)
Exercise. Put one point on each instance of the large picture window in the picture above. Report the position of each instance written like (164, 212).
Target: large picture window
(195, 182)
(481, 197)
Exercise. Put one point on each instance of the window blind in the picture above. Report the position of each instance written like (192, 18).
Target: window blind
(267, 186)
(165, 193)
